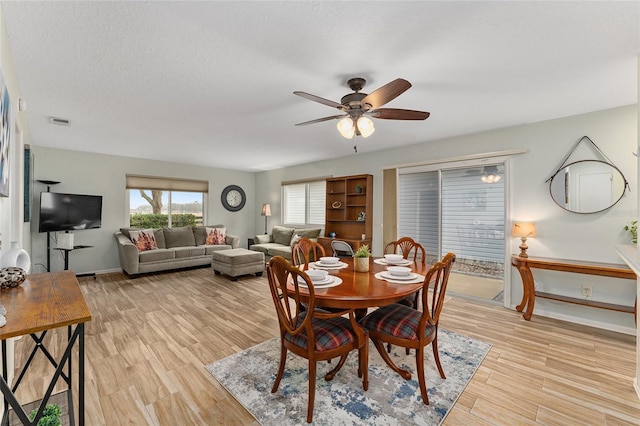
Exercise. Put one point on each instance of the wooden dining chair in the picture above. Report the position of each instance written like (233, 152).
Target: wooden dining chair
(312, 334)
(404, 326)
(408, 248)
(305, 251)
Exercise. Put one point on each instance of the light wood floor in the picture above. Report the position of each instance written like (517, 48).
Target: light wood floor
(474, 286)
(151, 337)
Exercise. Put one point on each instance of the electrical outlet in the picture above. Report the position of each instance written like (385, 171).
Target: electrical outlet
(586, 291)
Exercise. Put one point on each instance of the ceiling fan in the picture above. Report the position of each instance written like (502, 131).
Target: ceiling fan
(358, 107)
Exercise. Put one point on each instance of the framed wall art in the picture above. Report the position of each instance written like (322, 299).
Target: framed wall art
(5, 133)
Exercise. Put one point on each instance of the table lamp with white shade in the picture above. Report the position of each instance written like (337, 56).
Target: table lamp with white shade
(523, 230)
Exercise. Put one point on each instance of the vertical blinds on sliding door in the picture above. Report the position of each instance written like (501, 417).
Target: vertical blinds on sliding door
(472, 216)
(418, 210)
(453, 211)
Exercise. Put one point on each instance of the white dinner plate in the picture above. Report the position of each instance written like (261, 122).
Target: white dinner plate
(416, 279)
(320, 265)
(326, 280)
(333, 282)
(403, 262)
(410, 277)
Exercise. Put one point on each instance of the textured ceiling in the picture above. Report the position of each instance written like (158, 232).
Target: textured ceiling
(210, 83)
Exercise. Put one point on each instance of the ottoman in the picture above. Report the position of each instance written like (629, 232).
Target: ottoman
(236, 262)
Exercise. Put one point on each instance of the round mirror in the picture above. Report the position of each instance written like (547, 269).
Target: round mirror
(587, 186)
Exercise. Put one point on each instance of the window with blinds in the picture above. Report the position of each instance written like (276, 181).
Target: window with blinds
(304, 203)
(156, 202)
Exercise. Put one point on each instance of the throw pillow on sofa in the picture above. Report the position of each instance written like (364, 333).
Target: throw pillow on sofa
(282, 235)
(216, 236)
(295, 239)
(179, 237)
(143, 239)
(308, 232)
(200, 233)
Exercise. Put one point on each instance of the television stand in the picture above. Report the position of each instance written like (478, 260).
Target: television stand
(66, 252)
(48, 183)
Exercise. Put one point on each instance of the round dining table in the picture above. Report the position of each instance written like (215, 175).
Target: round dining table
(362, 290)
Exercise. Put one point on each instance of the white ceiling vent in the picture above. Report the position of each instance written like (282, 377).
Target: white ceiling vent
(59, 121)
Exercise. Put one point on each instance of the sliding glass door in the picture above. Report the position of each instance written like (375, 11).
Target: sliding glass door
(460, 210)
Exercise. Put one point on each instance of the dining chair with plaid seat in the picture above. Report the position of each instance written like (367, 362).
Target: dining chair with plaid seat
(407, 327)
(311, 333)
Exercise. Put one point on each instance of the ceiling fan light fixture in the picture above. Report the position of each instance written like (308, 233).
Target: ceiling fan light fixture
(490, 178)
(366, 127)
(490, 174)
(355, 105)
(346, 128)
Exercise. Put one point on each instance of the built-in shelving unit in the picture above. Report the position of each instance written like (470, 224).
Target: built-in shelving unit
(349, 210)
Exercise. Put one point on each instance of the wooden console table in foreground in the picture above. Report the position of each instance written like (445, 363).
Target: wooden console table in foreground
(44, 302)
(525, 264)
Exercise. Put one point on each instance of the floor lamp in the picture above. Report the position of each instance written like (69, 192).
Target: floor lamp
(266, 212)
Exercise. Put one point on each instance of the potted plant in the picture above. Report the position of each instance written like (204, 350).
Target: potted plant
(359, 188)
(633, 230)
(361, 259)
(50, 415)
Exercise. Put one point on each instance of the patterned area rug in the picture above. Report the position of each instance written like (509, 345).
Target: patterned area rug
(390, 400)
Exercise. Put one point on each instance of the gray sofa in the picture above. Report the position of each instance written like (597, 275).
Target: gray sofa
(281, 240)
(180, 247)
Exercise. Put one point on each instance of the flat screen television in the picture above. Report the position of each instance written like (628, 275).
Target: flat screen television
(69, 212)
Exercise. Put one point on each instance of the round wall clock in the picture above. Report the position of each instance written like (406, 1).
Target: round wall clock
(233, 198)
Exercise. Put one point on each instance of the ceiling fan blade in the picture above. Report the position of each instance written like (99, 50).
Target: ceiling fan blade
(320, 100)
(399, 114)
(386, 93)
(320, 120)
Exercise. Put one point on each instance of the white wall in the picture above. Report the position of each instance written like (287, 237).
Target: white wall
(12, 225)
(11, 220)
(561, 234)
(85, 173)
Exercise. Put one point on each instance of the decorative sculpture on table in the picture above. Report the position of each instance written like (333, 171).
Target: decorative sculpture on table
(16, 256)
(11, 277)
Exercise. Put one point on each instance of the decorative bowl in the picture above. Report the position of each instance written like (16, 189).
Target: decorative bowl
(393, 258)
(329, 260)
(316, 275)
(11, 277)
(399, 271)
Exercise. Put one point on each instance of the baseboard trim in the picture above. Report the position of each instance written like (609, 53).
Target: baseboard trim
(583, 321)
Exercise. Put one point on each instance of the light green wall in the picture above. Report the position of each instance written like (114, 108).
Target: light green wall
(560, 234)
(85, 173)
